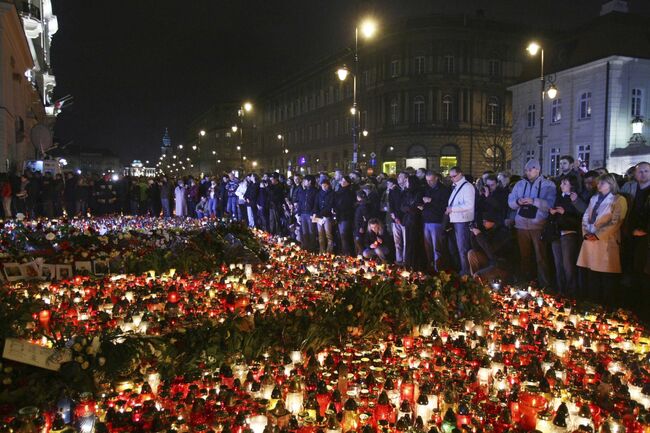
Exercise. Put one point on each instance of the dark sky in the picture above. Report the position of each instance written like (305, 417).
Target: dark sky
(135, 67)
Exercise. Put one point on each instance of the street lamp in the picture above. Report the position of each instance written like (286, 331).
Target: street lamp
(368, 28)
(534, 48)
(285, 151)
(202, 133)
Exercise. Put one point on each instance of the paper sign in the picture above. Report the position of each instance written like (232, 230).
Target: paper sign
(33, 354)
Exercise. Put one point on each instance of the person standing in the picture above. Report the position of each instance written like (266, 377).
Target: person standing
(323, 206)
(567, 212)
(165, 197)
(82, 195)
(181, 201)
(636, 240)
(306, 198)
(232, 206)
(5, 190)
(250, 197)
(22, 197)
(395, 193)
(344, 200)
(412, 222)
(531, 198)
(213, 196)
(434, 199)
(460, 209)
(360, 222)
(601, 229)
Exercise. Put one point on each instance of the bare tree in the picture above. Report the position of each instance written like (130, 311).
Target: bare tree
(494, 144)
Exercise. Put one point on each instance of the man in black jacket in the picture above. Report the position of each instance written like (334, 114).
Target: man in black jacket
(344, 200)
(493, 199)
(250, 197)
(491, 250)
(435, 198)
(395, 194)
(322, 214)
(304, 205)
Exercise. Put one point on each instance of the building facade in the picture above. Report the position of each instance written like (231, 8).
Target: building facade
(432, 93)
(591, 118)
(602, 77)
(26, 82)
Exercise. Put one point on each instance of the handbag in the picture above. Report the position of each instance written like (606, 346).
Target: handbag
(551, 230)
(529, 211)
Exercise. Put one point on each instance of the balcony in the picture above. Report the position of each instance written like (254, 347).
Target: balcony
(31, 15)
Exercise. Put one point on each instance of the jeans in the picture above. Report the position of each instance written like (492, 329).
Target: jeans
(434, 235)
(565, 255)
(345, 231)
(381, 252)
(326, 235)
(232, 207)
(307, 232)
(399, 237)
(167, 212)
(461, 230)
(532, 251)
(212, 207)
(250, 212)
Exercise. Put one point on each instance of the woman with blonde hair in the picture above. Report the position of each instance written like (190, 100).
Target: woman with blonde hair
(601, 230)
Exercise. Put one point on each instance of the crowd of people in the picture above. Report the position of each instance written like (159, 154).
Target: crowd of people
(581, 233)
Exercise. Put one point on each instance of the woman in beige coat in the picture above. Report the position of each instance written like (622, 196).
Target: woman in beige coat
(601, 229)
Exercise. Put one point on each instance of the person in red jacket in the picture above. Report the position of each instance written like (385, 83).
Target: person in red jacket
(5, 191)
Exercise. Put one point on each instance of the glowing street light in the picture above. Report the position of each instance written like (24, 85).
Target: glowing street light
(368, 28)
(365, 132)
(194, 147)
(234, 128)
(552, 91)
(533, 48)
(342, 73)
(202, 133)
(248, 106)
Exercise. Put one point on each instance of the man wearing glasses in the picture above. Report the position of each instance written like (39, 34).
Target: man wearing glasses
(460, 210)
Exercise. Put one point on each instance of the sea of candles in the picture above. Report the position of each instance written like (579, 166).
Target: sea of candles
(537, 363)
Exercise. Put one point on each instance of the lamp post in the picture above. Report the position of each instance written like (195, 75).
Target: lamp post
(368, 28)
(246, 107)
(534, 48)
(285, 151)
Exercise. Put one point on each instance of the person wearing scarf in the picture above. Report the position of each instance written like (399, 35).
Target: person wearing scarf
(601, 230)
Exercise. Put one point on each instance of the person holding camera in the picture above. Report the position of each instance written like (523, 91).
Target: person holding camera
(531, 198)
(491, 250)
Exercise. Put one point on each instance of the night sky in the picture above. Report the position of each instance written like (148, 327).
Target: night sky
(135, 67)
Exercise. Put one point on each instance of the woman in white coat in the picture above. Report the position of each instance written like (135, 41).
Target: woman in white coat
(181, 201)
(601, 229)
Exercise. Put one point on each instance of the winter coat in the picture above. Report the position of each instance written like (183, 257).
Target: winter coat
(344, 200)
(543, 193)
(181, 202)
(462, 202)
(603, 255)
